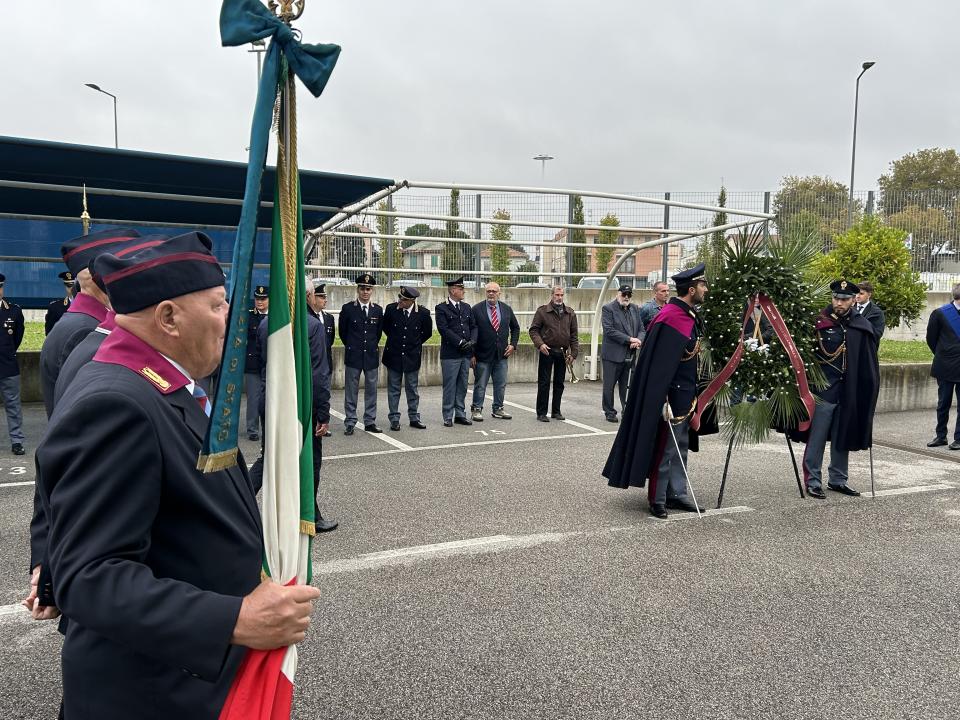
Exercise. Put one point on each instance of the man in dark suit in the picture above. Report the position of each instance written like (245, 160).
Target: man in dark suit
(870, 310)
(458, 335)
(56, 308)
(360, 326)
(623, 334)
(407, 327)
(319, 308)
(158, 578)
(498, 333)
(251, 368)
(943, 339)
(11, 335)
(88, 309)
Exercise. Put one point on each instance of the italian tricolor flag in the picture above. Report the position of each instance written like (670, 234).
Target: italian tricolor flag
(263, 688)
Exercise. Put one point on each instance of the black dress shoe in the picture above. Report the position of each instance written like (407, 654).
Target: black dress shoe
(937, 442)
(325, 525)
(17, 449)
(543, 418)
(462, 421)
(816, 493)
(372, 429)
(658, 511)
(684, 504)
(253, 437)
(612, 418)
(418, 425)
(955, 445)
(348, 430)
(448, 423)
(844, 490)
(395, 425)
(557, 416)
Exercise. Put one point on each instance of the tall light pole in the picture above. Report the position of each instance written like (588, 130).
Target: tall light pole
(259, 47)
(543, 164)
(116, 142)
(853, 159)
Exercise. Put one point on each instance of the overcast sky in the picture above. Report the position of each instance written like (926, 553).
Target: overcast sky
(627, 95)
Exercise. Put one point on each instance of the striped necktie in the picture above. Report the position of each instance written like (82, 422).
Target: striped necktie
(494, 319)
(202, 400)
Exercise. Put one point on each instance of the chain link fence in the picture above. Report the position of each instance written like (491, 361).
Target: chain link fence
(427, 238)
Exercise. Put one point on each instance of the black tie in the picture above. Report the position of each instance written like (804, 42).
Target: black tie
(365, 315)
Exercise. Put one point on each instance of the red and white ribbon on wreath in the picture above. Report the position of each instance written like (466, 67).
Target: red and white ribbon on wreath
(780, 327)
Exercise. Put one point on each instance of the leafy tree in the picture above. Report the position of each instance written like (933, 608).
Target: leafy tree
(605, 254)
(710, 248)
(452, 225)
(388, 226)
(817, 198)
(579, 264)
(528, 266)
(500, 254)
(926, 178)
(871, 250)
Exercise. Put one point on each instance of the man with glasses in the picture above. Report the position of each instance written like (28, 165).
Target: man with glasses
(498, 333)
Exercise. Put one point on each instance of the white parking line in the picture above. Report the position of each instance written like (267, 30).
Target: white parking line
(713, 512)
(574, 423)
(381, 436)
(18, 484)
(909, 490)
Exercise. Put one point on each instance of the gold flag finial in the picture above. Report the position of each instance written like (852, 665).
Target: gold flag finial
(85, 216)
(290, 10)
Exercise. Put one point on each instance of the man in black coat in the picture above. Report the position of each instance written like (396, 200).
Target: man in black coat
(361, 326)
(663, 390)
(623, 333)
(11, 335)
(253, 363)
(407, 327)
(870, 310)
(321, 403)
(56, 308)
(155, 566)
(319, 308)
(88, 309)
(498, 333)
(847, 354)
(943, 339)
(458, 335)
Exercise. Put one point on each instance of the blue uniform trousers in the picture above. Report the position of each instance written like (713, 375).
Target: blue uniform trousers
(411, 385)
(455, 374)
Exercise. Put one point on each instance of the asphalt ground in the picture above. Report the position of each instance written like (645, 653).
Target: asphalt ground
(489, 572)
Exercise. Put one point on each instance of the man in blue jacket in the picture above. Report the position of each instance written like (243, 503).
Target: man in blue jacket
(943, 339)
(458, 335)
(407, 327)
(623, 333)
(360, 326)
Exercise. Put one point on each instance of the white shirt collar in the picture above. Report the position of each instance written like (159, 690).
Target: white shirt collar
(191, 383)
(863, 305)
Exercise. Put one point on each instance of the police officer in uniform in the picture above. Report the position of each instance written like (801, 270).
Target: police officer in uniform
(847, 353)
(458, 335)
(11, 335)
(319, 308)
(360, 326)
(251, 370)
(407, 327)
(58, 307)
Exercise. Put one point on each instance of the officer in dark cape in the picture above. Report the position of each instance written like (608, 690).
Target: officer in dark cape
(667, 367)
(847, 353)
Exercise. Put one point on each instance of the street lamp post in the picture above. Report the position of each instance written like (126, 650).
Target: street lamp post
(853, 159)
(543, 164)
(116, 141)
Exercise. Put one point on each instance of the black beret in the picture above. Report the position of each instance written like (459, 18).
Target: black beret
(78, 253)
(843, 288)
(183, 264)
(409, 293)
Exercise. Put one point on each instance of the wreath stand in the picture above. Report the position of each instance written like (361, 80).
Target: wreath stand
(726, 467)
